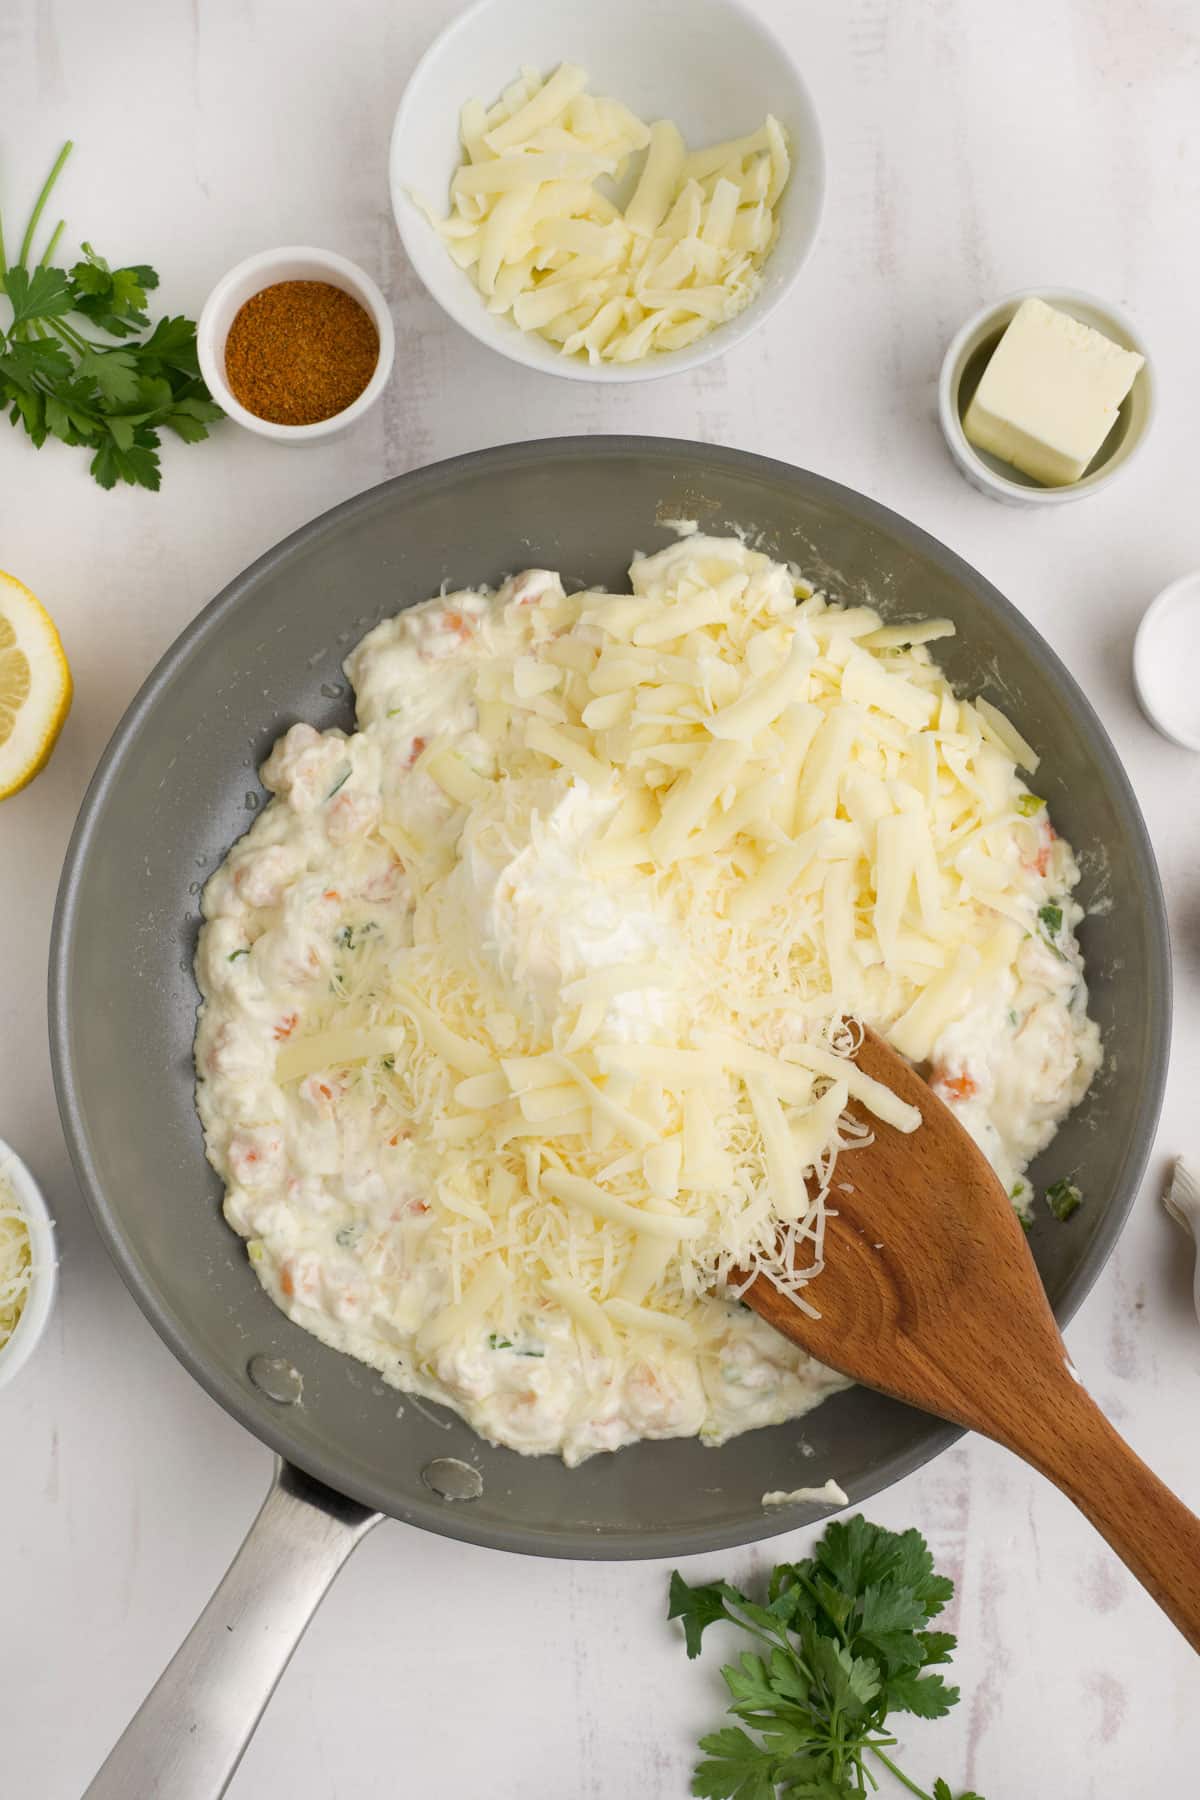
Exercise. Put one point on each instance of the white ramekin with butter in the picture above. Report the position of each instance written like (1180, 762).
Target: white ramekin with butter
(1044, 397)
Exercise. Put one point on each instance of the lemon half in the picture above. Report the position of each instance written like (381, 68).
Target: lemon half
(35, 685)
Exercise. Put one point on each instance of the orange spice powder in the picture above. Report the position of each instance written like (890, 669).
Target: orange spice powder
(299, 352)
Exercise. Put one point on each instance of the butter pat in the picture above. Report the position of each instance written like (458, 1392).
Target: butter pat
(1049, 395)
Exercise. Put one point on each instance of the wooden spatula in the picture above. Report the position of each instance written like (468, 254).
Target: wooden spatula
(929, 1293)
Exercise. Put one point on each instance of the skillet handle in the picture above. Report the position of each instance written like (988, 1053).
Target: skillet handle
(190, 1732)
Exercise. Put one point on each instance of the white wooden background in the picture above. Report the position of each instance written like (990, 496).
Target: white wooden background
(973, 149)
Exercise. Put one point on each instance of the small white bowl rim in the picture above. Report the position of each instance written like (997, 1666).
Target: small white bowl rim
(39, 1301)
(1143, 652)
(655, 368)
(261, 263)
(964, 451)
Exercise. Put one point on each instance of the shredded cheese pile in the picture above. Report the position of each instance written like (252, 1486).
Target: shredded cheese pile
(15, 1262)
(543, 242)
(779, 819)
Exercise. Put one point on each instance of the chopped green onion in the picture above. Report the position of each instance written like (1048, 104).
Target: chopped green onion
(234, 954)
(339, 785)
(1063, 1199)
(496, 1342)
(1051, 917)
(1028, 804)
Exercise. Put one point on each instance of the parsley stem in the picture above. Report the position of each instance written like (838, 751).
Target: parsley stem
(52, 246)
(900, 1775)
(69, 335)
(39, 204)
(76, 339)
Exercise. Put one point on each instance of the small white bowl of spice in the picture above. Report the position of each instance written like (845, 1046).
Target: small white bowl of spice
(1045, 397)
(28, 1264)
(296, 344)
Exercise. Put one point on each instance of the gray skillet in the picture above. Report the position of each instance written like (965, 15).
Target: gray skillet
(176, 786)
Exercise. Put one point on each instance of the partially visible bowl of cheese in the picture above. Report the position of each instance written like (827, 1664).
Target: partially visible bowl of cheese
(660, 181)
(28, 1264)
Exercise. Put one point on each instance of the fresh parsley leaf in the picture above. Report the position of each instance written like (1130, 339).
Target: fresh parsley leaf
(1051, 917)
(34, 365)
(1063, 1198)
(841, 1644)
(700, 1607)
(750, 1685)
(129, 288)
(42, 294)
(136, 464)
(92, 277)
(173, 344)
(29, 410)
(887, 1609)
(114, 397)
(114, 373)
(938, 1646)
(121, 430)
(928, 1696)
(183, 422)
(734, 1768)
(114, 299)
(851, 1682)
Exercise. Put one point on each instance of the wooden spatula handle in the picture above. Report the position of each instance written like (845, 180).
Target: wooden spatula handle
(1151, 1530)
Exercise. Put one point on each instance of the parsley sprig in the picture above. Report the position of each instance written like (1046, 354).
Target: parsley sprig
(60, 378)
(844, 1642)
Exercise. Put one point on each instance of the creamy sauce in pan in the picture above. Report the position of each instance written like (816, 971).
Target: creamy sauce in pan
(358, 1213)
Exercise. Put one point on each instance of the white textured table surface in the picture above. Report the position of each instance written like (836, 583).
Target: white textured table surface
(972, 150)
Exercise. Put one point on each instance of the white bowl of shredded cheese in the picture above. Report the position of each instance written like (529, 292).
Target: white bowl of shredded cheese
(28, 1264)
(706, 67)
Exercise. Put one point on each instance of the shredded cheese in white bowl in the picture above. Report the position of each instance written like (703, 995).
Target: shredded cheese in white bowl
(27, 1264)
(15, 1263)
(534, 223)
(529, 1007)
(618, 224)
